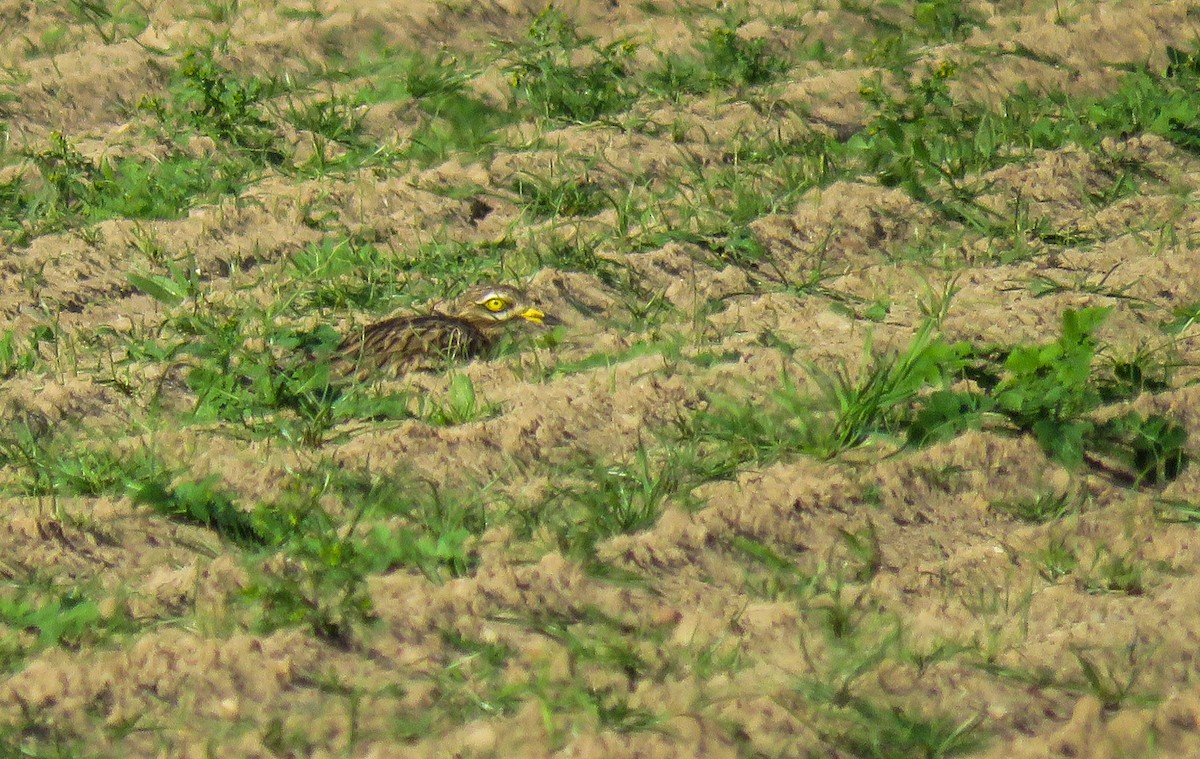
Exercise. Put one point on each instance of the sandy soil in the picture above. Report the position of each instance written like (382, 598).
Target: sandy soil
(725, 656)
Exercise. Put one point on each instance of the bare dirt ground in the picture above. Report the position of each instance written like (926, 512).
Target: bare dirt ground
(946, 622)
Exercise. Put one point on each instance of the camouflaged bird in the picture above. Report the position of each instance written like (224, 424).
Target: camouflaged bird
(469, 327)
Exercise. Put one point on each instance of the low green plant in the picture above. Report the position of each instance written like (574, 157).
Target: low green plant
(462, 404)
(868, 404)
(613, 499)
(614, 711)
(111, 21)
(1044, 506)
(1177, 510)
(946, 20)
(331, 529)
(247, 367)
(440, 538)
(67, 465)
(771, 575)
(236, 382)
(1148, 369)
(1184, 318)
(846, 410)
(931, 142)
(319, 594)
(1056, 559)
(456, 122)
(847, 720)
(228, 108)
(336, 118)
(17, 355)
(318, 577)
(730, 59)
(390, 73)
(907, 143)
(440, 74)
(67, 172)
(471, 684)
(677, 76)
(864, 553)
(557, 197)
(75, 190)
(880, 731)
(546, 81)
(576, 254)
(181, 281)
(630, 498)
(721, 58)
(1049, 391)
(342, 274)
(1043, 284)
(33, 618)
(842, 611)
(1113, 683)
(1116, 573)
(203, 503)
(1152, 449)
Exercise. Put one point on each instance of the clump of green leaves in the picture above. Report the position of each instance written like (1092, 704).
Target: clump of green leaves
(71, 175)
(733, 60)
(74, 189)
(945, 20)
(915, 140)
(722, 58)
(232, 381)
(66, 465)
(545, 79)
(848, 407)
(866, 403)
(34, 616)
(1045, 506)
(111, 21)
(1166, 104)
(882, 731)
(1050, 391)
(342, 274)
(1056, 559)
(203, 503)
(17, 355)
(1114, 680)
(211, 99)
(462, 404)
(337, 119)
(1184, 318)
(334, 528)
(448, 117)
(556, 197)
(614, 499)
(932, 143)
(1049, 388)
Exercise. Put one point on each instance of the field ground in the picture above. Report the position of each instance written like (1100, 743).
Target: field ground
(868, 431)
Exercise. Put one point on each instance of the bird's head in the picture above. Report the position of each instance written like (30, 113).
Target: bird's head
(488, 306)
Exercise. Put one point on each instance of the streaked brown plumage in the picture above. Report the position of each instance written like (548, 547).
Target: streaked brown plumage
(467, 328)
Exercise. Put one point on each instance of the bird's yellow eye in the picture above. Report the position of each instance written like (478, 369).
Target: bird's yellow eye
(495, 304)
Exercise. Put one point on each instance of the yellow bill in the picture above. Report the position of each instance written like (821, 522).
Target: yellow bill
(533, 315)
